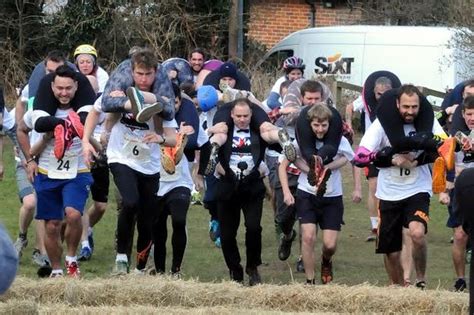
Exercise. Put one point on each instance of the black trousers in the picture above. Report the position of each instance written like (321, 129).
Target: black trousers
(139, 199)
(175, 203)
(228, 212)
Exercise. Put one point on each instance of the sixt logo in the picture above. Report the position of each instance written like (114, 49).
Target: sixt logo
(333, 65)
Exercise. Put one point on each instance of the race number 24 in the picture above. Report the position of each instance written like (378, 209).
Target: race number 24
(63, 165)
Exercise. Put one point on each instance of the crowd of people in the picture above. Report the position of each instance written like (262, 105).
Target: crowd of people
(165, 130)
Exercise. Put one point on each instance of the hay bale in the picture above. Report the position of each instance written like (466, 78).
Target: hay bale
(139, 309)
(163, 292)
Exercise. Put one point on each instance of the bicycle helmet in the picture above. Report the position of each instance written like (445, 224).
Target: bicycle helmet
(85, 49)
(293, 63)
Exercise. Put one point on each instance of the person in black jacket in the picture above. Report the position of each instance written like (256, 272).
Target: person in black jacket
(241, 187)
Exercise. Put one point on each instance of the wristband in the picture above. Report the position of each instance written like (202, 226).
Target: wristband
(31, 160)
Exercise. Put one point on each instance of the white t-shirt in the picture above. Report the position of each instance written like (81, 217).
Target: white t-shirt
(8, 119)
(70, 164)
(99, 128)
(210, 116)
(359, 106)
(25, 94)
(181, 178)
(202, 137)
(334, 183)
(276, 88)
(126, 145)
(34, 136)
(395, 183)
(102, 78)
(241, 152)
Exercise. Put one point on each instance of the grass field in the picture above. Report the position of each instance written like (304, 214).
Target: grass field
(355, 261)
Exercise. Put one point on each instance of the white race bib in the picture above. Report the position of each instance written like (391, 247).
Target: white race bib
(136, 150)
(65, 168)
(401, 175)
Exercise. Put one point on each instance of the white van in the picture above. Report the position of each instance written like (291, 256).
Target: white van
(416, 54)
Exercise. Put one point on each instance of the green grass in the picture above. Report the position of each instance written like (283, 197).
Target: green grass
(355, 261)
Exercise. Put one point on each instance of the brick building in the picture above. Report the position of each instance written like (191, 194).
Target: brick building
(272, 20)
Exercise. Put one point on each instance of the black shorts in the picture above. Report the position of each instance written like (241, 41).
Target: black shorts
(327, 212)
(394, 215)
(371, 171)
(272, 164)
(284, 212)
(100, 187)
(464, 198)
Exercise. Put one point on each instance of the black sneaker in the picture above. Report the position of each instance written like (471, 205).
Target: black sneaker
(254, 276)
(284, 249)
(211, 165)
(300, 265)
(45, 270)
(420, 284)
(460, 285)
(237, 275)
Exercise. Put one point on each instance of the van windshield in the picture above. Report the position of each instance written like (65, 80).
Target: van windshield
(274, 62)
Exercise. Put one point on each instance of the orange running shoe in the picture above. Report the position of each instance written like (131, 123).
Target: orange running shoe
(446, 151)
(323, 178)
(75, 124)
(326, 271)
(181, 141)
(315, 164)
(167, 160)
(62, 140)
(439, 175)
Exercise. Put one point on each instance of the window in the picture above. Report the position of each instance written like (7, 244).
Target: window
(274, 62)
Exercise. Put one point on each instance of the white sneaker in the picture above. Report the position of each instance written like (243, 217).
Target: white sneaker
(139, 272)
(148, 111)
(136, 100)
(20, 244)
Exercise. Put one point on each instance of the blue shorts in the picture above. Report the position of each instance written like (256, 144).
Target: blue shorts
(54, 195)
(454, 218)
(211, 185)
(25, 188)
(327, 212)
